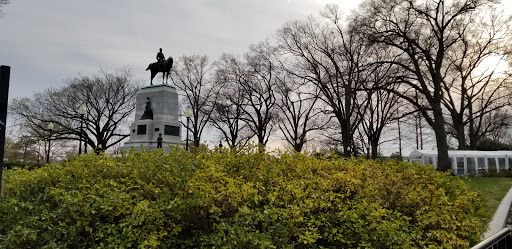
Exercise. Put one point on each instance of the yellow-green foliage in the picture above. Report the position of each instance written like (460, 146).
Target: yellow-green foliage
(227, 200)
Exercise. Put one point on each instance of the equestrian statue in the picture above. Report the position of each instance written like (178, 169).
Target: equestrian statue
(161, 66)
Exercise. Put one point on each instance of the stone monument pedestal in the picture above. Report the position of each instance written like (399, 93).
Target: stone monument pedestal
(156, 112)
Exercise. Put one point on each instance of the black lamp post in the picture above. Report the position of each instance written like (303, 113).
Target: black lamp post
(82, 110)
(188, 114)
(50, 128)
(85, 143)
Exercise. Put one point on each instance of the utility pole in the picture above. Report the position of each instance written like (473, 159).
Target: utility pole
(421, 132)
(5, 72)
(399, 137)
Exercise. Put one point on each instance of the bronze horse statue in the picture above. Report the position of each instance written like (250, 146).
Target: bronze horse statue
(165, 69)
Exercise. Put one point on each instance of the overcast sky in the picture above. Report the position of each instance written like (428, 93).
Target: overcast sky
(46, 42)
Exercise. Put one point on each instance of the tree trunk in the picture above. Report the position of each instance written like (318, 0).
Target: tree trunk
(472, 135)
(443, 161)
(261, 139)
(458, 126)
(298, 148)
(346, 141)
(461, 137)
(374, 145)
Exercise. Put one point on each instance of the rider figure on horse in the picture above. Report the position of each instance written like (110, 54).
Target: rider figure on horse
(162, 65)
(160, 58)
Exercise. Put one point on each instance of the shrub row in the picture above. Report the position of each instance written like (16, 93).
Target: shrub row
(22, 165)
(247, 200)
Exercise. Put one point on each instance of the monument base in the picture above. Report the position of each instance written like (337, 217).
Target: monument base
(157, 112)
(148, 145)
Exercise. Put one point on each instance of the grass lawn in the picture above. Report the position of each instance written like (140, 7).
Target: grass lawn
(492, 191)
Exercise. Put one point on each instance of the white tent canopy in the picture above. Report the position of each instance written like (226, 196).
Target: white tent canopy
(467, 162)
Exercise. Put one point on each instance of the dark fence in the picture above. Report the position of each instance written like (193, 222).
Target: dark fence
(502, 239)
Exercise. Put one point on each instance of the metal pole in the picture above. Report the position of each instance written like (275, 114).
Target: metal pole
(5, 72)
(86, 139)
(186, 142)
(81, 132)
(399, 137)
(49, 146)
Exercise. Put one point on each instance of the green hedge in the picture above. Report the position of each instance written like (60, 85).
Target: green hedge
(245, 200)
(488, 144)
(22, 165)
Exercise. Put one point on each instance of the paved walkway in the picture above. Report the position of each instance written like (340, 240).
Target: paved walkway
(500, 217)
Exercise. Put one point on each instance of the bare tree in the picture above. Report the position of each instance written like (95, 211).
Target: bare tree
(423, 33)
(108, 97)
(2, 3)
(495, 125)
(255, 74)
(229, 110)
(190, 75)
(381, 106)
(32, 145)
(330, 56)
(381, 111)
(474, 88)
(300, 113)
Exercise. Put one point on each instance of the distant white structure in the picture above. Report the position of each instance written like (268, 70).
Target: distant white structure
(467, 162)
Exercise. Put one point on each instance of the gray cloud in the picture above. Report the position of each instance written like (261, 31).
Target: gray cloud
(45, 42)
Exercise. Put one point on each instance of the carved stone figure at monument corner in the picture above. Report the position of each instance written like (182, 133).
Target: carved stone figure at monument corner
(161, 66)
(148, 113)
